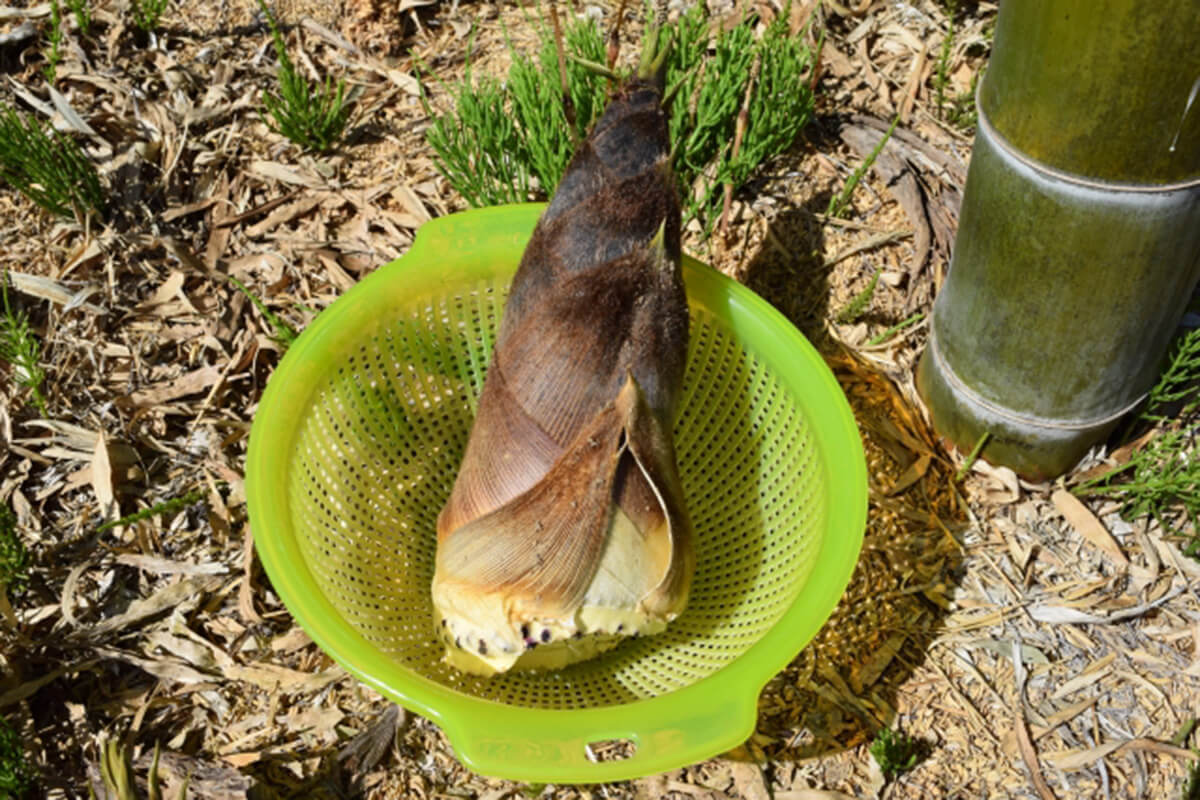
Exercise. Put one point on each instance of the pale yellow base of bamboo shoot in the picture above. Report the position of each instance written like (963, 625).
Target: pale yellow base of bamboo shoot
(483, 637)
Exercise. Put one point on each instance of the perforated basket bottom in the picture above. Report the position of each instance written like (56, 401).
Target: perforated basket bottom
(379, 444)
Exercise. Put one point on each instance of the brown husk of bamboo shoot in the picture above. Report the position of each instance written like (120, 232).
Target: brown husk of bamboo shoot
(570, 468)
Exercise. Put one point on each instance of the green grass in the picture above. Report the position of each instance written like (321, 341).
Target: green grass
(147, 14)
(510, 141)
(1191, 788)
(1164, 474)
(16, 774)
(895, 752)
(14, 558)
(536, 96)
(47, 167)
(313, 117)
(20, 348)
(838, 203)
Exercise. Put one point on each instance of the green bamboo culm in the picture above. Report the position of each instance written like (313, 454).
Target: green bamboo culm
(1079, 239)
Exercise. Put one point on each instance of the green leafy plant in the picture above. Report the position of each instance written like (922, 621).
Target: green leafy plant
(16, 773)
(14, 558)
(83, 15)
(21, 349)
(535, 91)
(480, 149)
(510, 141)
(313, 117)
(47, 167)
(54, 42)
(941, 75)
(1191, 788)
(147, 14)
(776, 70)
(1179, 382)
(858, 304)
(1165, 472)
(285, 334)
(838, 202)
(895, 752)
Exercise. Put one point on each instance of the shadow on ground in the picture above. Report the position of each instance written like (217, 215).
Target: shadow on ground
(844, 686)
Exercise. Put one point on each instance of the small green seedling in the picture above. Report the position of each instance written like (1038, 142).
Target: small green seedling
(83, 15)
(147, 14)
(313, 117)
(16, 773)
(47, 167)
(21, 349)
(165, 507)
(838, 202)
(14, 558)
(285, 334)
(858, 304)
(1191, 788)
(959, 110)
(885, 335)
(895, 752)
(54, 42)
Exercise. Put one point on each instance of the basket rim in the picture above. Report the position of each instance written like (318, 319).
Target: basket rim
(671, 730)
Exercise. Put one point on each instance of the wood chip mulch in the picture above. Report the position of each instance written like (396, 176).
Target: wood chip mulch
(1035, 645)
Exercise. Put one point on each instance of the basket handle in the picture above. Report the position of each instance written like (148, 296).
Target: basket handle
(544, 746)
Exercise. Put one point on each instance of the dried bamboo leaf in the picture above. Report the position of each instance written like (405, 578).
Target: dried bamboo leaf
(1058, 615)
(102, 478)
(1030, 757)
(368, 748)
(162, 600)
(186, 384)
(1079, 759)
(49, 289)
(1088, 526)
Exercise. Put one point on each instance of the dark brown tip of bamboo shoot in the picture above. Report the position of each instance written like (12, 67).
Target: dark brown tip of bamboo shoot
(618, 188)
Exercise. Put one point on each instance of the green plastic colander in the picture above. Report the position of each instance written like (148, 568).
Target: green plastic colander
(354, 450)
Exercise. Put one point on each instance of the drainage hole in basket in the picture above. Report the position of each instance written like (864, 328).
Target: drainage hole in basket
(610, 750)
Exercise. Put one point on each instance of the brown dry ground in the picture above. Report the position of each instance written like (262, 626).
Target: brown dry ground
(960, 626)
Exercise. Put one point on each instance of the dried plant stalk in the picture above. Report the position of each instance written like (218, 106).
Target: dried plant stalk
(566, 528)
